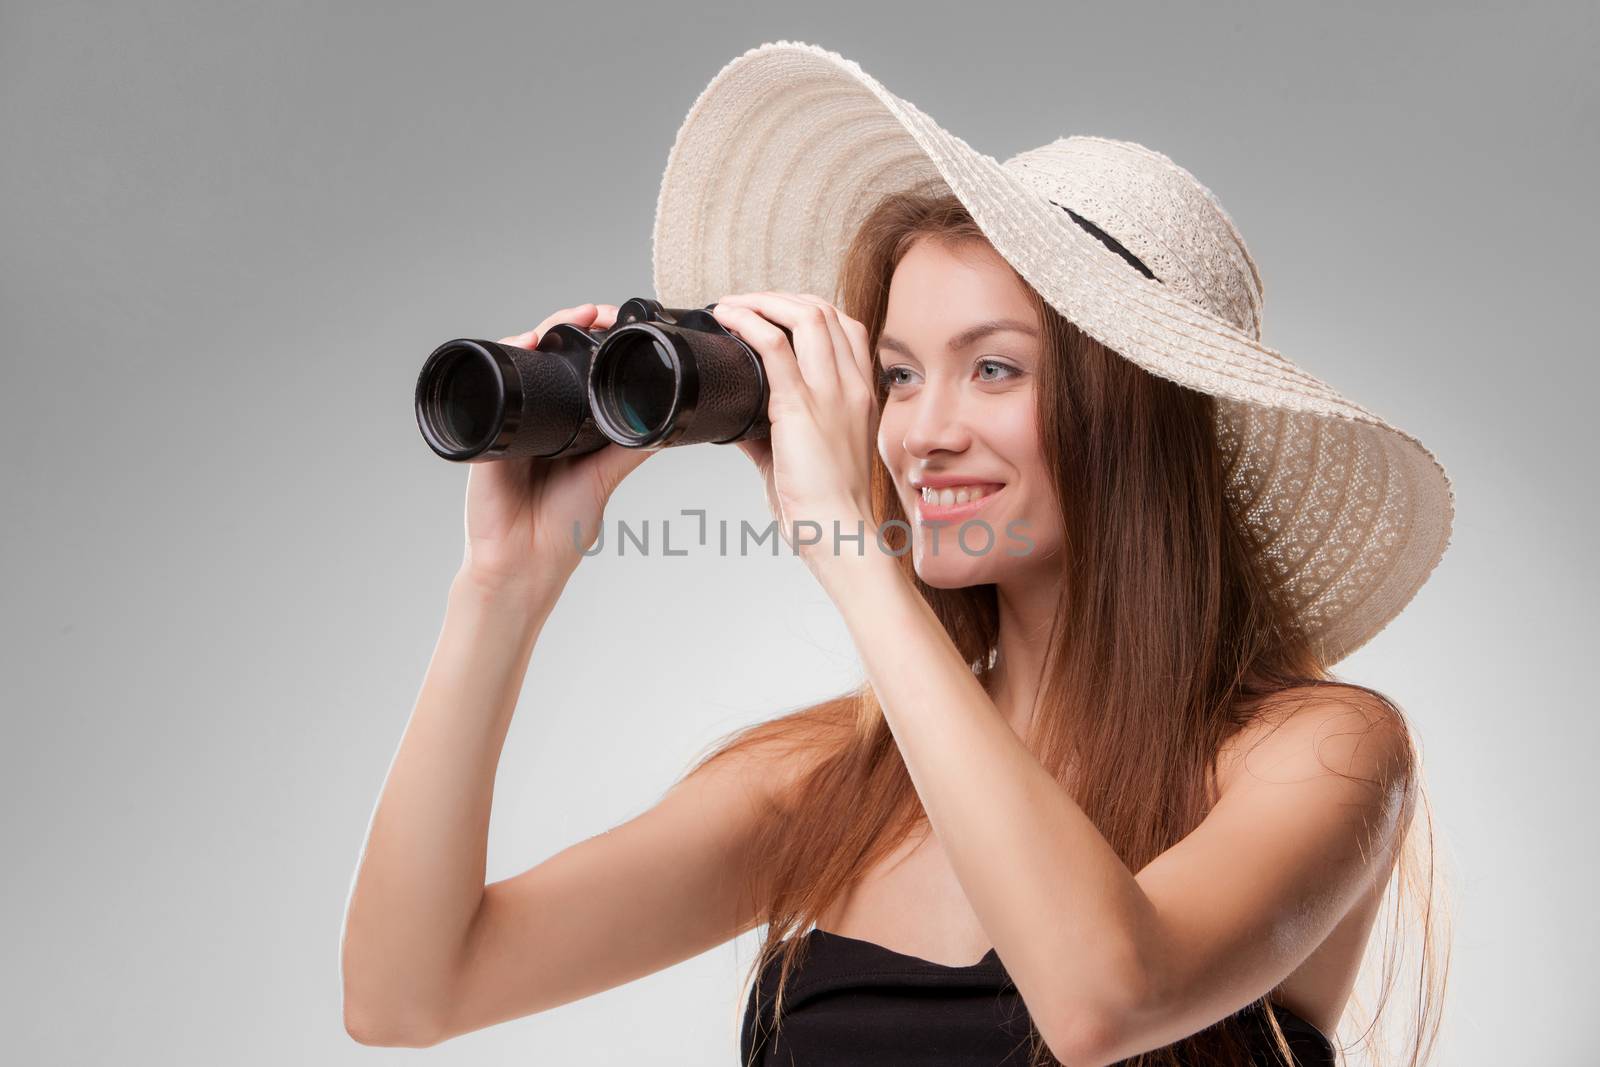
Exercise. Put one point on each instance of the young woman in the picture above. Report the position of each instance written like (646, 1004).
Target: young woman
(1099, 797)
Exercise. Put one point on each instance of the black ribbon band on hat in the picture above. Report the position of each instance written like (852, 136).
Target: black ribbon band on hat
(1109, 241)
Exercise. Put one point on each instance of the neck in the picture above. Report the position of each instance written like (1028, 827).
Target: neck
(1026, 608)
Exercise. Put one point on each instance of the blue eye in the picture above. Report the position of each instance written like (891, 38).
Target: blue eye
(886, 377)
(996, 363)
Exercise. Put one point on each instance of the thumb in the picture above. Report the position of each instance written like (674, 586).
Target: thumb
(759, 449)
(615, 462)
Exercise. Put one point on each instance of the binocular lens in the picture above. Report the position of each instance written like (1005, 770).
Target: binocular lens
(464, 399)
(640, 383)
(658, 377)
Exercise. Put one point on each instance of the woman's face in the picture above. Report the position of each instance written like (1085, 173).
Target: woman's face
(958, 428)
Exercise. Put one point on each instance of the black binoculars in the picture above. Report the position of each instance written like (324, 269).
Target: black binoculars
(657, 377)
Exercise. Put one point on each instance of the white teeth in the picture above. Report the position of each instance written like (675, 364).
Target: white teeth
(959, 494)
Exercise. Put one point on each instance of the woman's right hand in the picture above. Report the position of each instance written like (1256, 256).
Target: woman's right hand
(521, 512)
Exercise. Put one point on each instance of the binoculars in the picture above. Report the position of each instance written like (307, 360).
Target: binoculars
(657, 377)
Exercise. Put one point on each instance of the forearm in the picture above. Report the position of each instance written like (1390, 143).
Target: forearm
(421, 875)
(1063, 910)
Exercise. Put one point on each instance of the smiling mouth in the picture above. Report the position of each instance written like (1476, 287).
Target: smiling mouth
(955, 502)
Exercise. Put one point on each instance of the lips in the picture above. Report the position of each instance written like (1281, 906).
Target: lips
(936, 511)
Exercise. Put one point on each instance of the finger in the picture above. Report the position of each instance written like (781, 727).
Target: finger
(813, 343)
(843, 356)
(861, 348)
(582, 316)
(783, 372)
(587, 316)
(850, 345)
(615, 462)
(759, 449)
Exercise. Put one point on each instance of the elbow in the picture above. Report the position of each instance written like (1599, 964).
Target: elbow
(382, 1030)
(383, 1012)
(374, 1016)
(1101, 1031)
(1086, 1040)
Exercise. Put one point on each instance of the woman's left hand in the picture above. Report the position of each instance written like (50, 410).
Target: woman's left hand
(824, 414)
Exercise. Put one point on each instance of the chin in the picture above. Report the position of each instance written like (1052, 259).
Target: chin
(943, 574)
(950, 567)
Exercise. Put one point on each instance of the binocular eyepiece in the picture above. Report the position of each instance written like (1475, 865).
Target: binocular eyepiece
(657, 377)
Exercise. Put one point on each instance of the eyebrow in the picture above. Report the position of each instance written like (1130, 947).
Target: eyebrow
(965, 337)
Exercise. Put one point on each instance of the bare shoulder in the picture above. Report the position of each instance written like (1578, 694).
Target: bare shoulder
(664, 886)
(772, 759)
(1333, 729)
(764, 770)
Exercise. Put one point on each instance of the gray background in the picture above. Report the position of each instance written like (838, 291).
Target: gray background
(231, 233)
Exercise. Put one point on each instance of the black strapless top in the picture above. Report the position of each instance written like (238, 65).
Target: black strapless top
(856, 1002)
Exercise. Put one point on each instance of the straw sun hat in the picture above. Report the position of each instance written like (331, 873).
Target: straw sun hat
(789, 146)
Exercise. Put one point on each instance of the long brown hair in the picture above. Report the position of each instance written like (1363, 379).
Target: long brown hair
(1176, 644)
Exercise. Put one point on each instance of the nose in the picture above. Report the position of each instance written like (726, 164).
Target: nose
(937, 422)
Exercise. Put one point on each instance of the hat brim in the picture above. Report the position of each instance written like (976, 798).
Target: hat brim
(790, 145)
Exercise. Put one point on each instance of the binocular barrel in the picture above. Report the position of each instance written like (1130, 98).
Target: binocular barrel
(657, 377)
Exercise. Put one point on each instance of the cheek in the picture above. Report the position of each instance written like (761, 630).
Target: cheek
(1016, 438)
(1021, 448)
